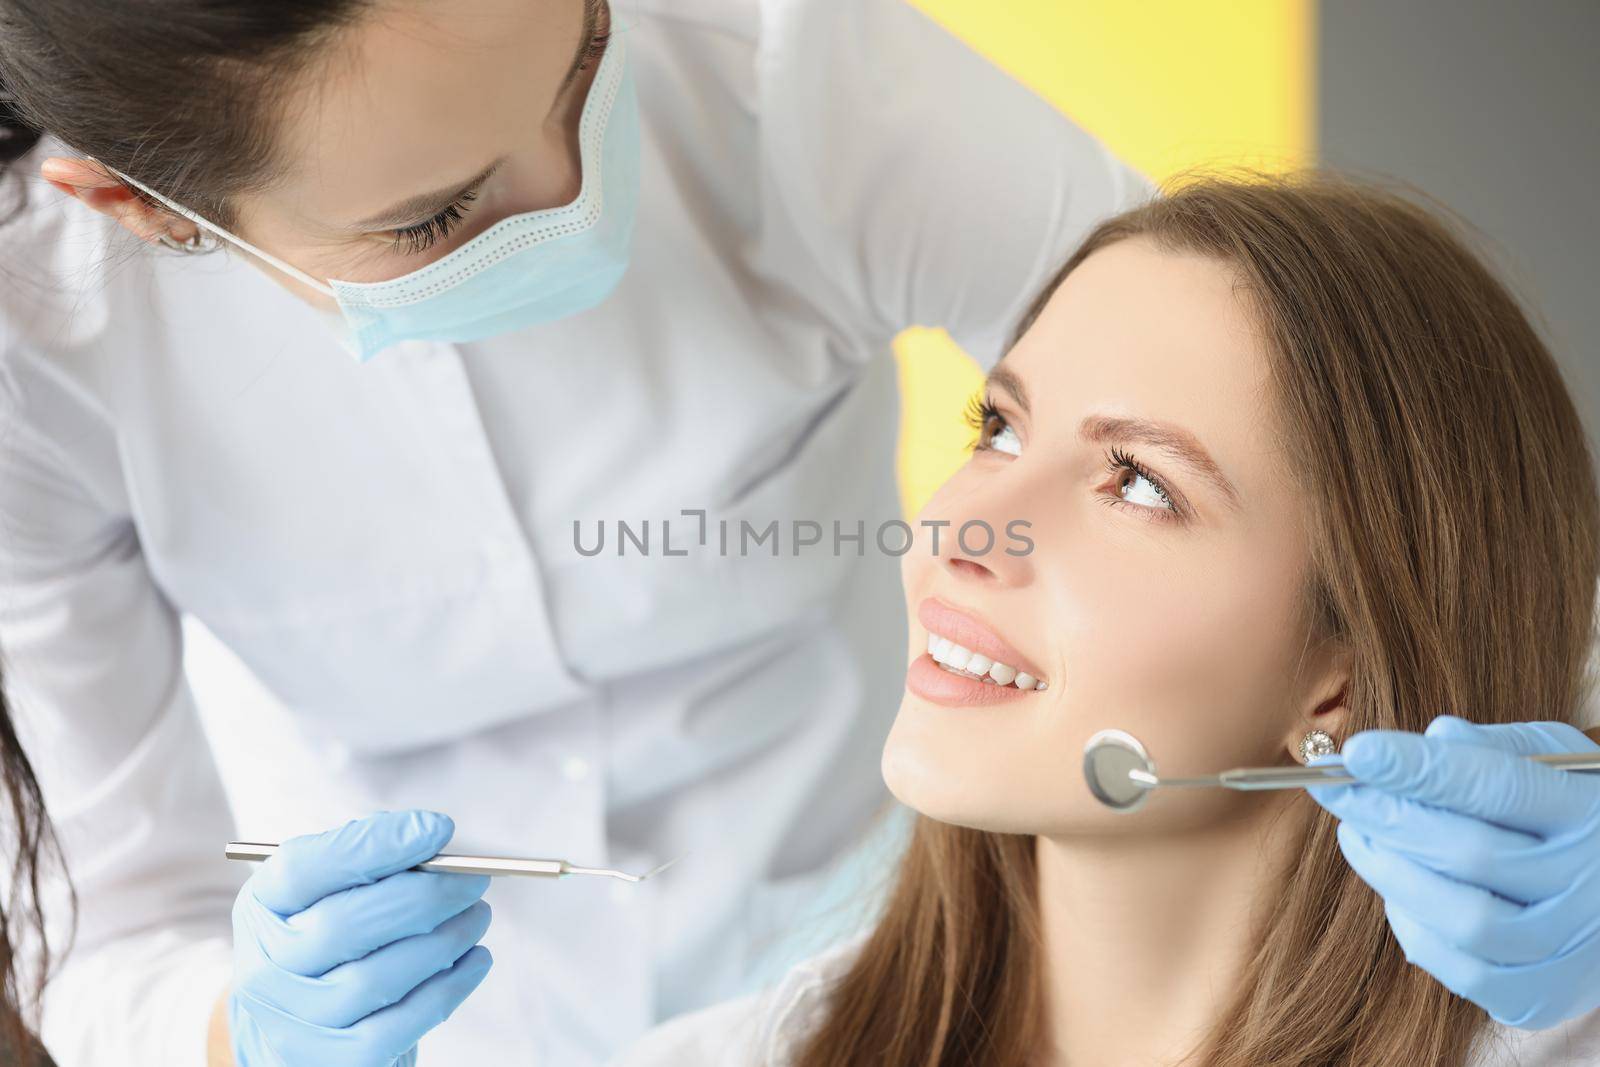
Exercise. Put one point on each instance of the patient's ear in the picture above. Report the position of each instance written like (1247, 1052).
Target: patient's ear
(1324, 696)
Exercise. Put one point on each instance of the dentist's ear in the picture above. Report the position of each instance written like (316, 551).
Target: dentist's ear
(93, 185)
(1324, 704)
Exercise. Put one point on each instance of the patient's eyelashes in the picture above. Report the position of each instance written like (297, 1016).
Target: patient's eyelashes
(994, 432)
(1136, 487)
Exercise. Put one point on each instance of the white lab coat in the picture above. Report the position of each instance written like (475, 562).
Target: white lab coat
(389, 548)
(770, 1028)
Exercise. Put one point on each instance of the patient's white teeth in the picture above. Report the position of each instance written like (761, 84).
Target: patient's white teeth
(975, 664)
(1042, 686)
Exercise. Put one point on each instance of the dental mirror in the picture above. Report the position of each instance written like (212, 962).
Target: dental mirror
(1120, 773)
(1109, 760)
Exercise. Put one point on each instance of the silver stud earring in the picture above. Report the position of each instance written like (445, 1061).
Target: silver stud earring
(199, 241)
(1316, 743)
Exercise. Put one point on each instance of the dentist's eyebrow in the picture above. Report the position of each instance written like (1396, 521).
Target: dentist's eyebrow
(1171, 439)
(424, 206)
(1008, 383)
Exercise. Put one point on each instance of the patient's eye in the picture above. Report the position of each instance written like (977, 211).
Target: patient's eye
(994, 432)
(1136, 486)
(1006, 441)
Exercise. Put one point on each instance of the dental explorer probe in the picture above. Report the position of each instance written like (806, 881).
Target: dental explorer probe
(256, 851)
(1120, 773)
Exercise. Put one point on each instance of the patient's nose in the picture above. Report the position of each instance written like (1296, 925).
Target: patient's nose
(982, 552)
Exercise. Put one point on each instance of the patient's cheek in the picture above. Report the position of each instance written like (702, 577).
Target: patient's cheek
(1196, 661)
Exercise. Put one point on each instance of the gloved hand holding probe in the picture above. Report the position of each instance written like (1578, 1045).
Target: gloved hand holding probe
(343, 956)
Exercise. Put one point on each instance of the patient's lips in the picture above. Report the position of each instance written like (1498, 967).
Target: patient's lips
(967, 663)
(965, 630)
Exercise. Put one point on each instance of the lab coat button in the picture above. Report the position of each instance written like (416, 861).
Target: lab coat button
(575, 768)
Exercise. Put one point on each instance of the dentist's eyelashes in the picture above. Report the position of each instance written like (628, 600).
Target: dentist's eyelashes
(414, 240)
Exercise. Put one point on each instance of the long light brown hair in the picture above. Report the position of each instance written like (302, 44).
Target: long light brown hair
(1454, 525)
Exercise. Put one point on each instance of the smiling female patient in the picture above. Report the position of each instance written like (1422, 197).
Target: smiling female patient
(1293, 461)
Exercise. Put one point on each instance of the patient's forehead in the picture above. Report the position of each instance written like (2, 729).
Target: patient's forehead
(1140, 331)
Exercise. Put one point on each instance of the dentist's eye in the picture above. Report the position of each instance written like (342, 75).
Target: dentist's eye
(1137, 487)
(994, 433)
(414, 240)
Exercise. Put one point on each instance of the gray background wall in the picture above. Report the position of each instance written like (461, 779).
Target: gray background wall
(1493, 108)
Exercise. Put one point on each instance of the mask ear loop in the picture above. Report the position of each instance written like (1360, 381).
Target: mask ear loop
(266, 257)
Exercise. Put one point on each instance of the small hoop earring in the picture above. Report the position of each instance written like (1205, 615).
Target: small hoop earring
(1316, 743)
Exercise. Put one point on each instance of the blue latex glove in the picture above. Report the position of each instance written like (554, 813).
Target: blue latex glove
(1488, 864)
(343, 957)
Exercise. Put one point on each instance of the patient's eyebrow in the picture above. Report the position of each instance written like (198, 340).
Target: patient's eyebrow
(1174, 440)
(1007, 382)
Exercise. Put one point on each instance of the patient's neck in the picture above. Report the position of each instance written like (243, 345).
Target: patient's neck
(1146, 937)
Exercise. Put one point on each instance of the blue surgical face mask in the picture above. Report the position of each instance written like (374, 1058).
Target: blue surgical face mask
(523, 270)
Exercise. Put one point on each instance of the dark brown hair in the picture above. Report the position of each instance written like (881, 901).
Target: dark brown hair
(31, 850)
(181, 94)
(1455, 553)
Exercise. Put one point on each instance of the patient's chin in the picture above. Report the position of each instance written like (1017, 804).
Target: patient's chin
(921, 777)
(950, 782)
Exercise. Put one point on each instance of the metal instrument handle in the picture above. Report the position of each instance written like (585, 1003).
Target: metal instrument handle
(256, 851)
(1251, 778)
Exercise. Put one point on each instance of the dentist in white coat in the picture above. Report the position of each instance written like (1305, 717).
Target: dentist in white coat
(390, 545)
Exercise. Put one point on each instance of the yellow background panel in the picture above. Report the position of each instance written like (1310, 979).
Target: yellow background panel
(1168, 84)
